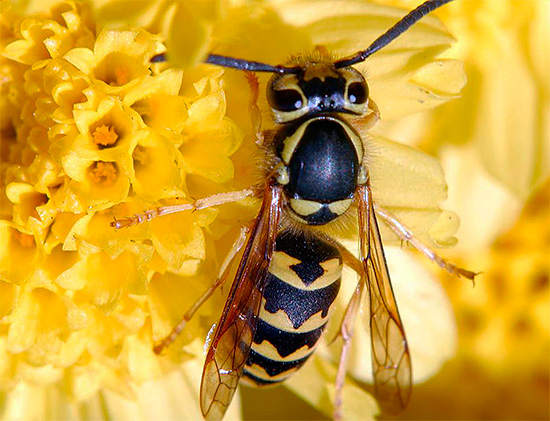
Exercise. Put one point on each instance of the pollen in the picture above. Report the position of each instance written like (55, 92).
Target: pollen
(104, 173)
(121, 77)
(105, 136)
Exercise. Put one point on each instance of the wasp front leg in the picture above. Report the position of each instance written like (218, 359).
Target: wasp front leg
(370, 119)
(205, 202)
(253, 109)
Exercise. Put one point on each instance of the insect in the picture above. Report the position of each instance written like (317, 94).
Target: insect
(289, 273)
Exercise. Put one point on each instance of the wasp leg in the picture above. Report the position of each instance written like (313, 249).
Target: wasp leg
(253, 109)
(220, 280)
(346, 327)
(353, 263)
(206, 202)
(370, 119)
(406, 235)
(346, 331)
(373, 117)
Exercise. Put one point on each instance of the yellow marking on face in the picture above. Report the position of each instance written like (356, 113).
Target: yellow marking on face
(288, 82)
(269, 351)
(351, 75)
(319, 70)
(340, 206)
(280, 267)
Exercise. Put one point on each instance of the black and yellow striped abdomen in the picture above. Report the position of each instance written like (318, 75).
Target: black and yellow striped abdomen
(303, 282)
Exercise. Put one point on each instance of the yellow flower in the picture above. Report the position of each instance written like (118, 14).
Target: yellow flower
(89, 132)
(503, 114)
(92, 131)
(186, 25)
(504, 328)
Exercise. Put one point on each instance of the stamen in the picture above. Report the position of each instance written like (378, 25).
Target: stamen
(121, 76)
(104, 173)
(105, 135)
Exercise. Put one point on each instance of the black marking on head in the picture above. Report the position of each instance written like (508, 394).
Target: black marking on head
(285, 99)
(324, 165)
(299, 305)
(286, 343)
(324, 95)
(273, 368)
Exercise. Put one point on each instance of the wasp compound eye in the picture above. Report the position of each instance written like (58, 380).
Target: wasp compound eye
(357, 93)
(285, 100)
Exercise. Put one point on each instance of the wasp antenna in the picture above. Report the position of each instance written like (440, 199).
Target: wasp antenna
(251, 66)
(405, 23)
(237, 63)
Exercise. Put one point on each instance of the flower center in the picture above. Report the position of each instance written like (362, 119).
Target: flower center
(121, 76)
(105, 135)
(104, 173)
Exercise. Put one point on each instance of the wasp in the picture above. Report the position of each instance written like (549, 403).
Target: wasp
(290, 270)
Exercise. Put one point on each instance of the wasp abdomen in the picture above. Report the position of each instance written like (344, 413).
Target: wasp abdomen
(303, 282)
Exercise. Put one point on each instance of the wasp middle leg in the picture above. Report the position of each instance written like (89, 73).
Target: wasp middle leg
(220, 280)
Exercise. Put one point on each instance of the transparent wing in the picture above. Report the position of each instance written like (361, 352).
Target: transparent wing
(390, 353)
(231, 343)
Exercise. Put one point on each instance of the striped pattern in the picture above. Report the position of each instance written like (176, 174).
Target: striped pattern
(303, 282)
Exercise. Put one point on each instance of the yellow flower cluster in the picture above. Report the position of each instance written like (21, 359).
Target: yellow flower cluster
(89, 132)
(502, 366)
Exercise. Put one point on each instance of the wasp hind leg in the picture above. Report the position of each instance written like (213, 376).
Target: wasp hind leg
(346, 332)
(407, 236)
(346, 329)
(220, 280)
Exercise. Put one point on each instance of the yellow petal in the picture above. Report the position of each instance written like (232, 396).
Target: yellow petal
(18, 256)
(187, 37)
(107, 279)
(315, 384)
(7, 297)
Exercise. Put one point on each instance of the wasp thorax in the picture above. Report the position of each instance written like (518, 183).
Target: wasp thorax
(317, 88)
(320, 167)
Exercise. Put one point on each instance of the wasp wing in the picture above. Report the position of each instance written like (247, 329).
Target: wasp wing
(391, 360)
(231, 343)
